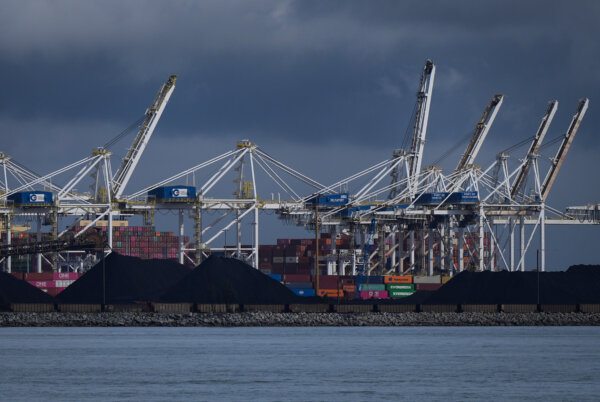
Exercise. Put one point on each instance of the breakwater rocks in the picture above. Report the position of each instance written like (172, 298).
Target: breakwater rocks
(268, 319)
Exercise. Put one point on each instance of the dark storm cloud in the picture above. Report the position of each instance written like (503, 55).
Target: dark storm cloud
(332, 74)
(326, 86)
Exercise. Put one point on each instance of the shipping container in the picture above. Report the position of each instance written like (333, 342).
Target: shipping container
(374, 294)
(41, 276)
(43, 284)
(400, 293)
(400, 286)
(427, 279)
(277, 277)
(330, 293)
(398, 279)
(299, 285)
(303, 291)
(431, 287)
(371, 286)
(31, 198)
(73, 276)
(295, 278)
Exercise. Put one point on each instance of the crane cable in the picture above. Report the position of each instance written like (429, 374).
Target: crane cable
(124, 133)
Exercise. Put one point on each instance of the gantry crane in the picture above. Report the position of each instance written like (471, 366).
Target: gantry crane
(533, 149)
(564, 148)
(481, 130)
(153, 113)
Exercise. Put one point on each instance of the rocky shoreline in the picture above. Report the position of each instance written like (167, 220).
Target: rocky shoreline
(268, 319)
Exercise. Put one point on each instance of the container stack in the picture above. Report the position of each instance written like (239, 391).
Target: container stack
(299, 284)
(372, 287)
(399, 286)
(429, 283)
(50, 282)
(145, 242)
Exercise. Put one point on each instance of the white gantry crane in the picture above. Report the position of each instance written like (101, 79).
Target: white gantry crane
(153, 114)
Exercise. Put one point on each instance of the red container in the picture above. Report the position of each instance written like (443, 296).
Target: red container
(67, 276)
(295, 278)
(428, 286)
(374, 294)
(42, 284)
(42, 276)
(327, 281)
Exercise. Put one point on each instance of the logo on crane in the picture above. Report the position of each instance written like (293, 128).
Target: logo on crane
(179, 193)
(36, 197)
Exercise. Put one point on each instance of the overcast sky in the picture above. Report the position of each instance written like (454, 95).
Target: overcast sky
(327, 87)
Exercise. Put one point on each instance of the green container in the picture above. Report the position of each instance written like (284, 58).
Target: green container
(400, 293)
(401, 286)
(371, 286)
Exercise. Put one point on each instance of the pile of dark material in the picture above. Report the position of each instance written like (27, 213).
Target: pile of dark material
(123, 280)
(227, 280)
(13, 290)
(577, 285)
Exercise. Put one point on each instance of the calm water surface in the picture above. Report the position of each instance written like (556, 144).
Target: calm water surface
(350, 364)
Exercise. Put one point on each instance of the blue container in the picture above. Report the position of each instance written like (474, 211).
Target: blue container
(277, 277)
(299, 285)
(173, 193)
(304, 292)
(368, 279)
(431, 198)
(32, 198)
(465, 197)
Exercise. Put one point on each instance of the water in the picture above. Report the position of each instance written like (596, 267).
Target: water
(350, 364)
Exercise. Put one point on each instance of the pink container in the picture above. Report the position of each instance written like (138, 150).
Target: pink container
(66, 276)
(374, 294)
(42, 284)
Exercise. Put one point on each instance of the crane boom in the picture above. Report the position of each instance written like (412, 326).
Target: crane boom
(153, 113)
(481, 129)
(421, 118)
(534, 148)
(564, 147)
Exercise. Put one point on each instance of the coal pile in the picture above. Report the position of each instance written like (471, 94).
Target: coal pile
(571, 287)
(227, 280)
(127, 280)
(13, 290)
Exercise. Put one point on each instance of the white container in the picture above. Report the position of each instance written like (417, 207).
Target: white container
(427, 279)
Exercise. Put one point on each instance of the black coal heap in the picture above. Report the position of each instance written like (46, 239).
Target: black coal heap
(128, 280)
(13, 290)
(227, 280)
(571, 287)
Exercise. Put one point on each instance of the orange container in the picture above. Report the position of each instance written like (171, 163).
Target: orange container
(330, 293)
(397, 279)
(349, 288)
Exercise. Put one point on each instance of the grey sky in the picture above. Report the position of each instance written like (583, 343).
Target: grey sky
(326, 86)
